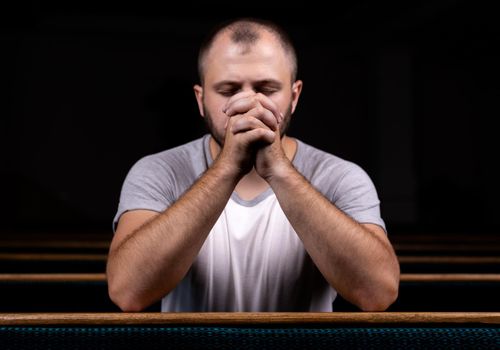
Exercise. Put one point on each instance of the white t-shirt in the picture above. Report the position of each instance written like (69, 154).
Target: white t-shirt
(252, 259)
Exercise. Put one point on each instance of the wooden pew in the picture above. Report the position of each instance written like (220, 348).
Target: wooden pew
(47, 292)
(20, 262)
(446, 244)
(88, 292)
(434, 277)
(404, 243)
(417, 253)
(52, 263)
(250, 330)
(67, 242)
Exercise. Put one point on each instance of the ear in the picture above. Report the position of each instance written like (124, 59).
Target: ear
(198, 92)
(296, 90)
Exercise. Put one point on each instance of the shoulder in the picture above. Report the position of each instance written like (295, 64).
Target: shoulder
(330, 174)
(174, 169)
(190, 152)
(343, 182)
(186, 161)
(312, 162)
(168, 173)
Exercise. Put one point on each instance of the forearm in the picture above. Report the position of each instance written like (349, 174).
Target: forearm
(153, 260)
(356, 262)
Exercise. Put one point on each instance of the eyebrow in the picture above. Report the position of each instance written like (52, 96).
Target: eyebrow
(263, 82)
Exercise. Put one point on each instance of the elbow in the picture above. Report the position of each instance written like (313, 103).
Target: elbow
(123, 298)
(378, 303)
(128, 305)
(379, 299)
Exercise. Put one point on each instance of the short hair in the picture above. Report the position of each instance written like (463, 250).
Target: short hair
(245, 31)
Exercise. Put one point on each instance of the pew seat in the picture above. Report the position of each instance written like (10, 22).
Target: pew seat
(250, 331)
(88, 292)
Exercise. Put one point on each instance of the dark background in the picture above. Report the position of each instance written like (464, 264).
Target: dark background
(408, 90)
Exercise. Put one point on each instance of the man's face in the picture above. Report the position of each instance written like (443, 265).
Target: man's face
(229, 68)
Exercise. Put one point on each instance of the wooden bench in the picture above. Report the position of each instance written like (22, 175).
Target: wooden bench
(404, 243)
(41, 242)
(440, 273)
(93, 263)
(88, 292)
(101, 277)
(446, 244)
(250, 330)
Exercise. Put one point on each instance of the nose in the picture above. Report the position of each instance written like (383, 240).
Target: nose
(249, 88)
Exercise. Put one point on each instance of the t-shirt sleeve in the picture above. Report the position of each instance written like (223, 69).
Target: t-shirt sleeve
(147, 186)
(356, 196)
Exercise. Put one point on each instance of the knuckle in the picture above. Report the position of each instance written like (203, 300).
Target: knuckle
(260, 110)
(255, 100)
(271, 115)
(247, 117)
(260, 132)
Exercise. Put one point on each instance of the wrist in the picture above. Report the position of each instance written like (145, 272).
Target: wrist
(280, 172)
(227, 170)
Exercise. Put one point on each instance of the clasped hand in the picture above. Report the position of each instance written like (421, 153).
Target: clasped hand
(252, 136)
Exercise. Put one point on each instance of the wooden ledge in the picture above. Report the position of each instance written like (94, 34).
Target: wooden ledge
(450, 277)
(405, 259)
(37, 257)
(101, 277)
(250, 318)
(52, 277)
(449, 260)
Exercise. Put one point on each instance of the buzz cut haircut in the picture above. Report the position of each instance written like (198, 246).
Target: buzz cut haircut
(245, 31)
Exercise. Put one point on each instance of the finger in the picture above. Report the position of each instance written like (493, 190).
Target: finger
(260, 135)
(270, 105)
(241, 106)
(264, 115)
(238, 96)
(246, 123)
(244, 103)
(245, 107)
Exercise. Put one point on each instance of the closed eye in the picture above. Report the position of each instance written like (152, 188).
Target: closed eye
(267, 90)
(227, 92)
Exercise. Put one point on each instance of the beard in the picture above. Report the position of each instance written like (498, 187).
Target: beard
(219, 137)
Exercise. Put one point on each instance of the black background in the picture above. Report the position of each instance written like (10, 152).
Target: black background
(408, 90)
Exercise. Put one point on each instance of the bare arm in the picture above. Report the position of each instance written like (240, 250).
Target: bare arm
(148, 261)
(357, 260)
(150, 254)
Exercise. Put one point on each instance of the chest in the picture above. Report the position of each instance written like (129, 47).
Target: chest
(252, 240)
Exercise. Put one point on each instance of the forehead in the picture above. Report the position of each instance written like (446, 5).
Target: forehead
(263, 59)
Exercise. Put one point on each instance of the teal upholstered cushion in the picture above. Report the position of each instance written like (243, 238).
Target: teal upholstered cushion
(132, 337)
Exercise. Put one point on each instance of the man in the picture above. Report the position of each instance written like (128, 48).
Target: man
(247, 218)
